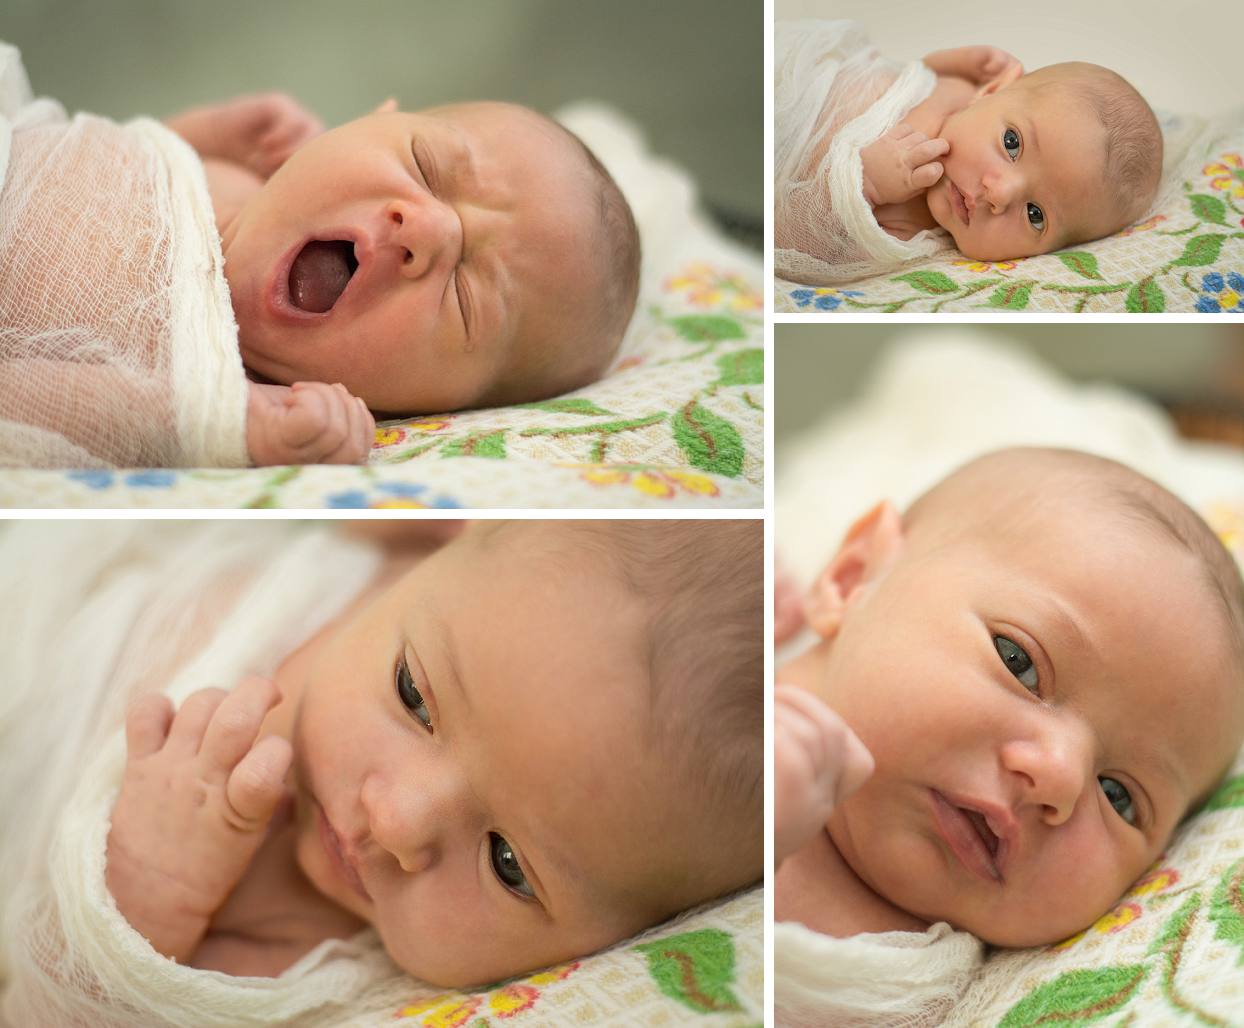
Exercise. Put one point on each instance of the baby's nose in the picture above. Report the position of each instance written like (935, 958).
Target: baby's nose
(415, 823)
(1001, 188)
(1049, 773)
(427, 234)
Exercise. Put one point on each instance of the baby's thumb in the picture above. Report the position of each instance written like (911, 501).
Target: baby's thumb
(857, 766)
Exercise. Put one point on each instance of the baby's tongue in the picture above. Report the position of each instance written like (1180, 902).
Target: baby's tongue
(319, 275)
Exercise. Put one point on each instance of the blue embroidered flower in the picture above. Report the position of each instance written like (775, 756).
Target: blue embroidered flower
(1219, 295)
(392, 495)
(92, 479)
(95, 478)
(822, 298)
(152, 479)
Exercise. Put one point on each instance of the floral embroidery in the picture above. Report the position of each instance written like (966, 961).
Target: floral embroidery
(823, 298)
(1154, 882)
(512, 999)
(983, 266)
(1117, 919)
(453, 1010)
(392, 495)
(1219, 295)
(1145, 225)
(1228, 175)
(663, 483)
(430, 423)
(704, 286)
(388, 436)
(152, 478)
(445, 1011)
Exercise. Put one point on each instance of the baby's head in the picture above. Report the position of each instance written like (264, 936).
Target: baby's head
(463, 256)
(1045, 656)
(1066, 154)
(543, 739)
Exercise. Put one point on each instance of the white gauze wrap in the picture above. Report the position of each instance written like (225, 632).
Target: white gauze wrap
(875, 980)
(118, 346)
(833, 95)
(93, 613)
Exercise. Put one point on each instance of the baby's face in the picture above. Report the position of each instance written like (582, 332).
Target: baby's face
(464, 237)
(1045, 701)
(473, 772)
(1025, 175)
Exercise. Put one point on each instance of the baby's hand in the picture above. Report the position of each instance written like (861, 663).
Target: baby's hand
(900, 165)
(980, 65)
(307, 423)
(194, 805)
(260, 132)
(817, 762)
(787, 605)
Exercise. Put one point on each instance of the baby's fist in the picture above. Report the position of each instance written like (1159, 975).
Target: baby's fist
(307, 423)
(262, 131)
(817, 762)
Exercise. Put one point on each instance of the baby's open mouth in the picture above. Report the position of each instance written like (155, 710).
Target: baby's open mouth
(958, 202)
(320, 273)
(983, 830)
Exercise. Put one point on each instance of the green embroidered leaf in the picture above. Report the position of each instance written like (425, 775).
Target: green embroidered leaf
(710, 442)
(478, 444)
(743, 367)
(1011, 296)
(694, 968)
(1077, 997)
(1229, 794)
(1208, 208)
(1082, 263)
(705, 328)
(1177, 926)
(567, 405)
(1146, 297)
(1199, 251)
(929, 282)
(1226, 908)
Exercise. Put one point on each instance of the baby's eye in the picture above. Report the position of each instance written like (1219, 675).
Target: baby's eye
(1017, 662)
(411, 698)
(1119, 798)
(1036, 217)
(1011, 143)
(506, 867)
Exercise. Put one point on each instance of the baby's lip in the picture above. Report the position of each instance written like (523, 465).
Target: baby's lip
(339, 854)
(979, 832)
(962, 203)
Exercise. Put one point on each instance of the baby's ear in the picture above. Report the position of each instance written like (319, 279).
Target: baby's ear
(1009, 75)
(870, 547)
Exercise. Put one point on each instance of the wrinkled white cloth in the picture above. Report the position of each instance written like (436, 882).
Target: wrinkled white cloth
(93, 613)
(879, 980)
(833, 95)
(118, 345)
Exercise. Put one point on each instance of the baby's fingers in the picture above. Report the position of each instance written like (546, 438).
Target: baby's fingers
(192, 719)
(146, 725)
(256, 785)
(233, 728)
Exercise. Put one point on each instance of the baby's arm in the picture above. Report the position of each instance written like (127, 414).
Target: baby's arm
(817, 762)
(195, 802)
(257, 132)
(306, 423)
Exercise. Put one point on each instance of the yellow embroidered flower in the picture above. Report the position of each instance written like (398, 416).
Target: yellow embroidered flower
(1118, 919)
(705, 286)
(1227, 521)
(512, 999)
(430, 424)
(398, 503)
(1145, 225)
(663, 483)
(1155, 881)
(982, 266)
(448, 1010)
(1068, 943)
(389, 436)
(1228, 175)
(553, 974)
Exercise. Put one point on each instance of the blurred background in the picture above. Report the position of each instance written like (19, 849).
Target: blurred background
(1182, 57)
(1194, 371)
(690, 73)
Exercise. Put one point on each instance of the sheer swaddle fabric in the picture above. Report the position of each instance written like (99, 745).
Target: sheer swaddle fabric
(118, 346)
(833, 95)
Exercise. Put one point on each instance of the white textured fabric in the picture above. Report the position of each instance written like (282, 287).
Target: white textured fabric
(93, 613)
(891, 979)
(833, 95)
(118, 346)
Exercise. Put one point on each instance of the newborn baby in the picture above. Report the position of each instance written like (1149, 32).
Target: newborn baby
(1039, 664)
(470, 255)
(447, 738)
(1010, 165)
